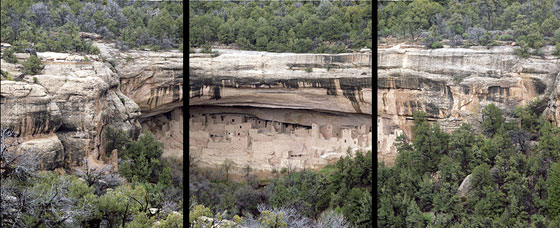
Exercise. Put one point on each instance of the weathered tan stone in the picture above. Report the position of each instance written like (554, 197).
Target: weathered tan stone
(71, 97)
(452, 85)
(28, 109)
(168, 129)
(49, 151)
(337, 82)
(465, 187)
(269, 111)
(154, 83)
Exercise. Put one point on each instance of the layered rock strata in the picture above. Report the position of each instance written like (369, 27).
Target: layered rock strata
(270, 110)
(154, 81)
(74, 99)
(70, 101)
(452, 85)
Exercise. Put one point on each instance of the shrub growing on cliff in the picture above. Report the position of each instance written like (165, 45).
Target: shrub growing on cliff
(557, 51)
(506, 37)
(9, 56)
(523, 51)
(554, 190)
(433, 39)
(535, 40)
(436, 44)
(492, 120)
(32, 65)
(206, 48)
(6, 75)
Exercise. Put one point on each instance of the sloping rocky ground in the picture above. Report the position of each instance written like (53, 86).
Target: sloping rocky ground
(452, 85)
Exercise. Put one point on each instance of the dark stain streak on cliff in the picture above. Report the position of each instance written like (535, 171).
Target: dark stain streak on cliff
(37, 122)
(498, 94)
(216, 93)
(449, 97)
(466, 89)
(432, 110)
(539, 86)
(351, 87)
(176, 92)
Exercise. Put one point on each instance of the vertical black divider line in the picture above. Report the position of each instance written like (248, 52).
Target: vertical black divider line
(186, 114)
(374, 132)
(1, 213)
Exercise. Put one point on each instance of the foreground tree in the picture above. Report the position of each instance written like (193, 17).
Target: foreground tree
(554, 190)
(142, 159)
(492, 120)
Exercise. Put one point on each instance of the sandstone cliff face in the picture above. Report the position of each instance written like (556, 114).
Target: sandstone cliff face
(453, 84)
(154, 81)
(273, 111)
(71, 102)
(340, 83)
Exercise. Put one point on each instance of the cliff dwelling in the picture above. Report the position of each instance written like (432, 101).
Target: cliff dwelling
(220, 133)
(270, 111)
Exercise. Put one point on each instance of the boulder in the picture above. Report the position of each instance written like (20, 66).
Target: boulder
(465, 187)
(49, 151)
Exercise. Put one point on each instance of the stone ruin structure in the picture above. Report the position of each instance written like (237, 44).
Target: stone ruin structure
(278, 110)
(272, 144)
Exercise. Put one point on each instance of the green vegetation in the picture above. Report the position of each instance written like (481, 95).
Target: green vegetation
(339, 193)
(116, 139)
(32, 65)
(9, 56)
(554, 190)
(91, 197)
(523, 51)
(515, 182)
(534, 22)
(206, 48)
(142, 159)
(320, 27)
(6, 75)
(55, 25)
(308, 69)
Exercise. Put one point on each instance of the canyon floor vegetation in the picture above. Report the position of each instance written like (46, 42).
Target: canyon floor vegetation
(147, 191)
(504, 173)
(338, 195)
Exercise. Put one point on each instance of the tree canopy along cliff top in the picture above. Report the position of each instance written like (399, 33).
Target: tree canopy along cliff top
(283, 26)
(528, 24)
(58, 26)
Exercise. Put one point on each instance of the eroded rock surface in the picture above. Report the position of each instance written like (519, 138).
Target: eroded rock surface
(74, 99)
(339, 83)
(452, 85)
(273, 111)
(49, 151)
(465, 187)
(154, 81)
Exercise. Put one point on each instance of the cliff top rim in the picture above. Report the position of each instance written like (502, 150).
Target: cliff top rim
(265, 53)
(494, 49)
